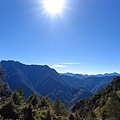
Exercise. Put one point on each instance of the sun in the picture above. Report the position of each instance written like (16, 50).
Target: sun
(53, 6)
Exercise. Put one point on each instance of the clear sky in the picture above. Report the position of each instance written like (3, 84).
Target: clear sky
(83, 38)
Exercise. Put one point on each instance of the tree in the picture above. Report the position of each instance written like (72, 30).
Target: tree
(58, 107)
(4, 87)
(2, 73)
(28, 113)
(17, 97)
(66, 104)
(34, 100)
(8, 111)
(45, 102)
(48, 115)
(21, 91)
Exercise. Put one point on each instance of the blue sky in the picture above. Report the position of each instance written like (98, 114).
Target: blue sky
(84, 38)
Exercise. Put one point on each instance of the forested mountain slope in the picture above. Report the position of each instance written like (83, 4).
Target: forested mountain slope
(105, 105)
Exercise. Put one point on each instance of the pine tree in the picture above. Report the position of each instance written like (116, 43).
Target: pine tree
(16, 97)
(4, 87)
(34, 100)
(58, 107)
(8, 111)
(2, 73)
(45, 102)
(28, 113)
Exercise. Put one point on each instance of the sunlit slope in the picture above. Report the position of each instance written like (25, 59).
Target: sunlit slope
(105, 105)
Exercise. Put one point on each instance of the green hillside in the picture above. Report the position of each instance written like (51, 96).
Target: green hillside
(105, 105)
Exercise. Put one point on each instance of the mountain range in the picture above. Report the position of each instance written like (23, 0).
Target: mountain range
(43, 80)
(81, 76)
(92, 83)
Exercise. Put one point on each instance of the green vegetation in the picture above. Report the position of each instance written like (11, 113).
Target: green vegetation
(105, 105)
(16, 106)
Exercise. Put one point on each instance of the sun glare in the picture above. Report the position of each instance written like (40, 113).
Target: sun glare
(53, 6)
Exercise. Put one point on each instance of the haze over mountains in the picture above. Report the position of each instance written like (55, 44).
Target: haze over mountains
(92, 83)
(46, 81)
(81, 76)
